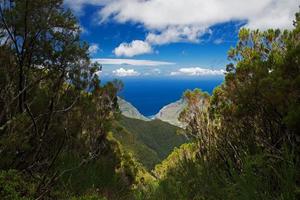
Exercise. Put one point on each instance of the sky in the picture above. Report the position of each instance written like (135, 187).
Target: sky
(172, 38)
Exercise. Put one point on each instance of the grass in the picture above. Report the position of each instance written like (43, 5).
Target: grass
(149, 141)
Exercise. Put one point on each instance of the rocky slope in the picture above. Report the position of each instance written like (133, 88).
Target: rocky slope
(170, 113)
(128, 110)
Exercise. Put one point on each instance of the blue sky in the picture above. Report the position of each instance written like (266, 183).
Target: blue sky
(168, 38)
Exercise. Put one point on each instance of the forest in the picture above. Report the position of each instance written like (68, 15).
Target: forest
(62, 132)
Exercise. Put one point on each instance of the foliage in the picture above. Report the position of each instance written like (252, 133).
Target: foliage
(14, 186)
(52, 104)
(190, 178)
(56, 120)
(112, 175)
(149, 141)
(246, 134)
(185, 151)
(88, 197)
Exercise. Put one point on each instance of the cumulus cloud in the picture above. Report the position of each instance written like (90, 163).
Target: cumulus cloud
(136, 47)
(176, 34)
(197, 71)
(93, 49)
(170, 35)
(160, 14)
(121, 72)
(169, 21)
(134, 62)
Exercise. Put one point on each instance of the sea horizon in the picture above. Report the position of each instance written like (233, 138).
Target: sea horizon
(150, 95)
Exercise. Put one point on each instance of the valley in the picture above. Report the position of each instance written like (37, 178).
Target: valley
(149, 140)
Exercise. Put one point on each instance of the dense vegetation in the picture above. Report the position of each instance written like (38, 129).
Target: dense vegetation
(51, 127)
(149, 141)
(246, 135)
(61, 131)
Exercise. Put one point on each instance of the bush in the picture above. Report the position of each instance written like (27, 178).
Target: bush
(13, 186)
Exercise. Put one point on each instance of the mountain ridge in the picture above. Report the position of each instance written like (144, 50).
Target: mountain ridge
(168, 113)
(128, 110)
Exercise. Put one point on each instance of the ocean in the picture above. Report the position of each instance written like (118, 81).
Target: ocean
(150, 95)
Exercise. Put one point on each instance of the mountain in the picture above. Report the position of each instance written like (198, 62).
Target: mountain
(170, 112)
(128, 110)
(149, 141)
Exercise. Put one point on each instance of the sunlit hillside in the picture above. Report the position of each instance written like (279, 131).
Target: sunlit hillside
(149, 100)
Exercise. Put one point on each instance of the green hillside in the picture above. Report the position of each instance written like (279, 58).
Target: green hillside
(149, 141)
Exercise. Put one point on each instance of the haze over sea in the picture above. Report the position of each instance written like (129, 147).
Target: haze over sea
(149, 95)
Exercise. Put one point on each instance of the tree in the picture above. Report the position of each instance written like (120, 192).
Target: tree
(48, 80)
(197, 120)
(252, 118)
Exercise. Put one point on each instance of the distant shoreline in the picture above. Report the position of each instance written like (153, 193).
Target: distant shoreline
(150, 96)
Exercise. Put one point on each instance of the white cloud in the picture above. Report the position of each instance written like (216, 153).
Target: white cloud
(176, 34)
(121, 72)
(161, 14)
(93, 49)
(276, 14)
(197, 71)
(152, 72)
(134, 62)
(170, 35)
(218, 41)
(136, 47)
(156, 71)
(170, 21)
(186, 20)
(77, 5)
